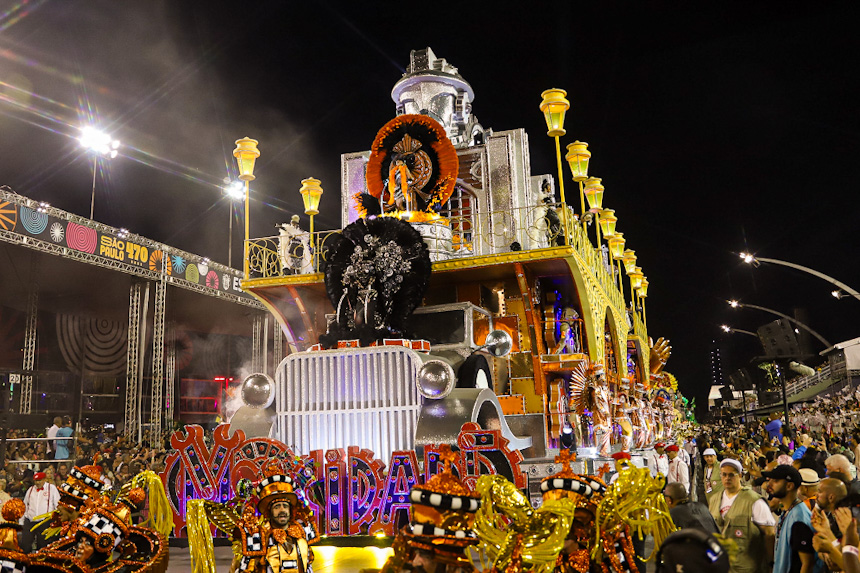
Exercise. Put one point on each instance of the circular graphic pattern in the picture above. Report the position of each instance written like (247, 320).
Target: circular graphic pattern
(81, 238)
(33, 221)
(191, 274)
(178, 264)
(157, 260)
(57, 232)
(212, 279)
(8, 216)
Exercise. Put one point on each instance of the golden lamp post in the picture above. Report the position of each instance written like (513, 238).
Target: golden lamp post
(578, 157)
(643, 294)
(246, 153)
(636, 277)
(311, 193)
(554, 106)
(594, 195)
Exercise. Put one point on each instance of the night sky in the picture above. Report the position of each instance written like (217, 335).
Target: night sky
(715, 130)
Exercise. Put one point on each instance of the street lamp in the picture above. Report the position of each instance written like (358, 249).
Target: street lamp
(751, 259)
(235, 191)
(736, 304)
(101, 144)
(594, 195)
(616, 253)
(311, 194)
(727, 328)
(246, 153)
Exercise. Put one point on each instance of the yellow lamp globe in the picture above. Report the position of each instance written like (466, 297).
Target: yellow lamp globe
(311, 193)
(636, 277)
(577, 157)
(607, 222)
(554, 106)
(246, 153)
(643, 288)
(616, 246)
(629, 259)
(594, 194)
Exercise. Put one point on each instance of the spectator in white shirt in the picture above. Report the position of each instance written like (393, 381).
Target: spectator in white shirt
(658, 461)
(679, 471)
(52, 433)
(40, 499)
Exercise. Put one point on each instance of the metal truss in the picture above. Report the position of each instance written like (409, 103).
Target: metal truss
(157, 407)
(255, 344)
(170, 375)
(26, 404)
(143, 272)
(132, 376)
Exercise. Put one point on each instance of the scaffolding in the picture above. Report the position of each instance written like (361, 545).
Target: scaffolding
(132, 376)
(156, 413)
(30, 334)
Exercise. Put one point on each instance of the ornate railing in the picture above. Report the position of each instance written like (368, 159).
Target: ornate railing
(288, 255)
(459, 234)
(639, 328)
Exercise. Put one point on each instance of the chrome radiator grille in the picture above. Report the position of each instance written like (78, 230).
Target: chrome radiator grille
(352, 397)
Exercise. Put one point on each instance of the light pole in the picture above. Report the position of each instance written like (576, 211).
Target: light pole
(246, 153)
(729, 329)
(737, 304)
(101, 144)
(235, 191)
(756, 261)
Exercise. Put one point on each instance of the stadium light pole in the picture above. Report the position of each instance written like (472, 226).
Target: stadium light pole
(751, 259)
(729, 329)
(235, 191)
(821, 339)
(101, 144)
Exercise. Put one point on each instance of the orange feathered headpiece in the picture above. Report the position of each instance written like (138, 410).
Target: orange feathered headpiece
(419, 146)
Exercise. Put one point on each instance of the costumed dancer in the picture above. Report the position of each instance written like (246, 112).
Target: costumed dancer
(271, 536)
(82, 484)
(632, 506)
(102, 540)
(585, 492)
(443, 513)
(513, 535)
(12, 557)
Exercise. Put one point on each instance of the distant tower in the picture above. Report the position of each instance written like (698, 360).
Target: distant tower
(716, 365)
(431, 86)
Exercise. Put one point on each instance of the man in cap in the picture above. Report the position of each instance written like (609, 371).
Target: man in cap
(685, 513)
(742, 515)
(658, 461)
(808, 491)
(679, 471)
(40, 500)
(708, 476)
(794, 552)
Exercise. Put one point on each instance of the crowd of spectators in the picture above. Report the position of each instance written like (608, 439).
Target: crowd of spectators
(120, 458)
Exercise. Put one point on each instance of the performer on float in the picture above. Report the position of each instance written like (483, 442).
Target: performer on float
(275, 541)
(588, 392)
(443, 513)
(622, 418)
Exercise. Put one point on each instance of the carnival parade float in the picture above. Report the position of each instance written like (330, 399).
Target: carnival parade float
(465, 305)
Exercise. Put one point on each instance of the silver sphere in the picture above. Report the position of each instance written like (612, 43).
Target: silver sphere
(258, 390)
(436, 379)
(499, 343)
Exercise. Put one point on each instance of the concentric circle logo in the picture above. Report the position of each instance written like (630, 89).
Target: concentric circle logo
(81, 238)
(33, 221)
